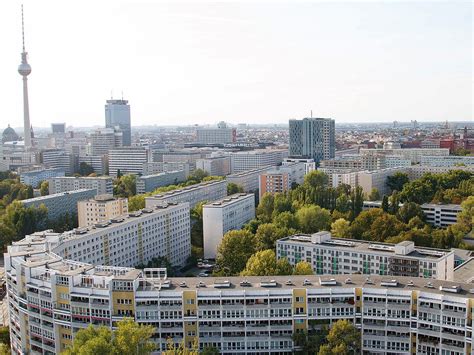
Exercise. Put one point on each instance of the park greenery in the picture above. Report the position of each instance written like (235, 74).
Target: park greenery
(315, 206)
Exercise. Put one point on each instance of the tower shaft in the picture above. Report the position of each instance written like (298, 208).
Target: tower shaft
(26, 114)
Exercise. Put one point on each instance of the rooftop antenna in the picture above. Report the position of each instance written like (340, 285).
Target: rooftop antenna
(311, 113)
(111, 94)
(22, 28)
(122, 95)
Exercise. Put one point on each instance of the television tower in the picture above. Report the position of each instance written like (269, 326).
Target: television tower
(25, 69)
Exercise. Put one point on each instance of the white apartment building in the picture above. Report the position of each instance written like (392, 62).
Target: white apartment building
(219, 135)
(58, 159)
(249, 179)
(149, 183)
(417, 171)
(296, 171)
(441, 215)
(413, 154)
(35, 177)
(255, 159)
(98, 162)
(193, 194)
(448, 161)
(50, 298)
(215, 166)
(377, 179)
(151, 168)
(309, 164)
(224, 215)
(102, 184)
(329, 255)
(60, 203)
(105, 139)
(127, 160)
(99, 209)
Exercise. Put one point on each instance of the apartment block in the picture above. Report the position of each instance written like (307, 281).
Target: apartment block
(329, 255)
(51, 297)
(193, 194)
(60, 203)
(35, 177)
(220, 135)
(309, 164)
(102, 184)
(149, 183)
(100, 209)
(417, 171)
(377, 179)
(99, 163)
(274, 181)
(413, 154)
(151, 168)
(440, 215)
(447, 161)
(255, 159)
(224, 215)
(105, 139)
(58, 159)
(215, 166)
(249, 179)
(128, 160)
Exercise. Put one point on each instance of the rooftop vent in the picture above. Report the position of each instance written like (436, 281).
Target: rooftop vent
(266, 283)
(245, 283)
(327, 282)
(389, 283)
(451, 289)
(222, 284)
(306, 282)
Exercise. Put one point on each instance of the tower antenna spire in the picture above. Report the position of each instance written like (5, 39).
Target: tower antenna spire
(22, 28)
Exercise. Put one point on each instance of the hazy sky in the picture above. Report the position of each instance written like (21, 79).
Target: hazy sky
(249, 61)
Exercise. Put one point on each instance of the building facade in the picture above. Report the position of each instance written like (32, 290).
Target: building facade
(249, 179)
(224, 215)
(215, 166)
(102, 184)
(447, 161)
(313, 138)
(149, 183)
(329, 255)
(193, 194)
(35, 177)
(255, 159)
(151, 168)
(413, 154)
(60, 203)
(117, 114)
(105, 139)
(99, 209)
(220, 135)
(58, 159)
(127, 160)
(441, 215)
(274, 181)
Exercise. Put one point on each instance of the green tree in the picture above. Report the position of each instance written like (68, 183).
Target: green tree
(343, 204)
(316, 178)
(286, 220)
(374, 195)
(408, 211)
(197, 176)
(357, 201)
(303, 268)
(92, 340)
(385, 205)
(133, 338)
(360, 227)
(233, 188)
(462, 152)
(266, 236)
(341, 228)
(210, 350)
(383, 227)
(283, 267)
(181, 349)
(309, 343)
(466, 216)
(197, 229)
(5, 336)
(125, 186)
(343, 339)
(4, 349)
(313, 219)
(281, 203)
(236, 247)
(44, 188)
(396, 181)
(85, 169)
(136, 202)
(262, 263)
(265, 208)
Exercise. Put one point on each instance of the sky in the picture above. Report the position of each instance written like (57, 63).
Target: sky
(200, 62)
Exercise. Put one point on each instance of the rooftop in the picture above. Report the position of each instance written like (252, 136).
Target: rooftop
(228, 200)
(47, 197)
(465, 272)
(187, 188)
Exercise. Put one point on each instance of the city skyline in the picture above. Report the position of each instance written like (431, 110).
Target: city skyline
(242, 73)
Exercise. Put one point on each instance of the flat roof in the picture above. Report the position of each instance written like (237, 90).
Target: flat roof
(47, 197)
(465, 272)
(186, 189)
(228, 200)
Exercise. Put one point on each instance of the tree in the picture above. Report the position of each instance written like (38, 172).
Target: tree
(313, 219)
(461, 151)
(233, 188)
(343, 204)
(357, 201)
(396, 181)
(44, 188)
(266, 236)
(316, 178)
(196, 177)
(281, 203)
(466, 216)
(4, 349)
(341, 228)
(125, 186)
(5, 336)
(181, 349)
(210, 350)
(197, 229)
(408, 211)
(136, 202)
(265, 208)
(262, 263)
(385, 205)
(303, 268)
(374, 195)
(360, 227)
(85, 169)
(286, 220)
(236, 247)
(383, 227)
(92, 340)
(343, 339)
(283, 267)
(394, 202)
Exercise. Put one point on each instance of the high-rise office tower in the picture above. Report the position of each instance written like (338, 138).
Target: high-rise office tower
(117, 114)
(25, 69)
(313, 138)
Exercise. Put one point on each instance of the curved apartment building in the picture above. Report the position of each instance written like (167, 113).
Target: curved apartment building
(51, 297)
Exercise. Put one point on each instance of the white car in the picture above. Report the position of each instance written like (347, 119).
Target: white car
(203, 274)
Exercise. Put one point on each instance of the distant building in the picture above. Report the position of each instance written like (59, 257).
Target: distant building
(430, 143)
(248, 179)
(127, 160)
(215, 166)
(452, 161)
(309, 164)
(220, 135)
(274, 181)
(60, 203)
(35, 177)
(102, 184)
(58, 158)
(329, 255)
(440, 215)
(313, 138)
(98, 162)
(149, 183)
(224, 215)
(255, 159)
(117, 115)
(58, 128)
(413, 154)
(100, 208)
(105, 139)
(9, 135)
(151, 168)
(193, 194)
